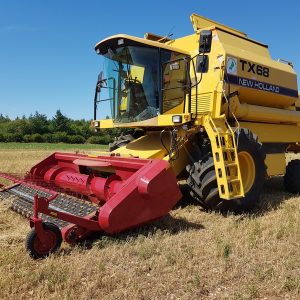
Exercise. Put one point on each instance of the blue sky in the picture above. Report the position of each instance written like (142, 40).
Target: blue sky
(47, 58)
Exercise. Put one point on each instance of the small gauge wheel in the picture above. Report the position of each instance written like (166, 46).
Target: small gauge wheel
(36, 248)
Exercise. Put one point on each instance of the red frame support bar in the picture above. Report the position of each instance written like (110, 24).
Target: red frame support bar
(41, 205)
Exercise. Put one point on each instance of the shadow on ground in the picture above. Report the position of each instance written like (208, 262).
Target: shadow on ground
(186, 199)
(272, 197)
(166, 225)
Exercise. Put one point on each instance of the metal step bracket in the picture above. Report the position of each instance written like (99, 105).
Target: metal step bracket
(225, 156)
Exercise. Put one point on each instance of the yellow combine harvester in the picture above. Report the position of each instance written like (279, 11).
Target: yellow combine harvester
(214, 104)
(212, 108)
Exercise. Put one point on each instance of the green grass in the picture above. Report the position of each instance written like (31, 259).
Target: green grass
(48, 146)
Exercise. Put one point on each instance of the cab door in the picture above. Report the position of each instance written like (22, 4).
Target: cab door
(174, 82)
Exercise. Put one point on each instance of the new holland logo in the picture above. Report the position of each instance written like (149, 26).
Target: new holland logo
(231, 65)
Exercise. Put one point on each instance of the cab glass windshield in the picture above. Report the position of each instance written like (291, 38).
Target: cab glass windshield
(132, 79)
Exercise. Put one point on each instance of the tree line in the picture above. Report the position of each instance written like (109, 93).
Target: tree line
(38, 128)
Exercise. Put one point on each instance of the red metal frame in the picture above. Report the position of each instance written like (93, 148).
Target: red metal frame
(37, 222)
(11, 178)
(41, 205)
(129, 191)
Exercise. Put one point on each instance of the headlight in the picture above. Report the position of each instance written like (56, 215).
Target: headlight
(177, 119)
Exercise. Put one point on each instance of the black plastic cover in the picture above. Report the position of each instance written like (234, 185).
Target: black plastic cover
(205, 41)
(202, 64)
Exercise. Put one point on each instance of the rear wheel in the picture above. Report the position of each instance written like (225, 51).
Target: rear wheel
(291, 179)
(36, 248)
(203, 180)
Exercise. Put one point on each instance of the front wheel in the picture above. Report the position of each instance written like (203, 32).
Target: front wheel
(120, 141)
(36, 248)
(203, 180)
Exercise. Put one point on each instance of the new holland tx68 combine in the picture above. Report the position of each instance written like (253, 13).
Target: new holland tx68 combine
(214, 108)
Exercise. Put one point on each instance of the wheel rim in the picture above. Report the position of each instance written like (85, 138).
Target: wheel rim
(247, 167)
(46, 248)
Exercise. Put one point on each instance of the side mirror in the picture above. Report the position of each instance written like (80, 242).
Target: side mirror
(100, 76)
(202, 64)
(205, 41)
(101, 81)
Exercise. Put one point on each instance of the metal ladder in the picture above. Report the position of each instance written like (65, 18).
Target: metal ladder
(225, 156)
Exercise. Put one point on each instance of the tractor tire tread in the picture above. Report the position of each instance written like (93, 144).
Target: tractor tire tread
(291, 178)
(29, 241)
(203, 182)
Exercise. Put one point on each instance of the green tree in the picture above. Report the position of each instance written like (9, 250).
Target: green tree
(19, 126)
(4, 119)
(39, 123)
(60, 123)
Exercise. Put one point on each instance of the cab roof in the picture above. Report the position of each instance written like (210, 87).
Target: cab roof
(103, 45)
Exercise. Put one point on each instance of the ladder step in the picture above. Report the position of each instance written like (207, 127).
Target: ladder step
(231, 165)
(233, 180)
(236, 196)
(227, 149)
(226, 158)
(224, 133)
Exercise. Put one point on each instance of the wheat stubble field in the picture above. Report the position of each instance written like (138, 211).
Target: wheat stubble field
(190, 254)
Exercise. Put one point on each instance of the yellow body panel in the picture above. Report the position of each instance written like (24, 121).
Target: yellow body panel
(148, 146)
(159, 121)
(257, 113)
(200, 22)
(274, 133)
(276, 164)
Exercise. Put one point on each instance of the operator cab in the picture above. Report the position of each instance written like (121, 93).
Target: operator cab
(143, 79)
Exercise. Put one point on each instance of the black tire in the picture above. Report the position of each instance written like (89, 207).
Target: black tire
(35, 248)
(203, 180)
(120, 141)
(291, 178)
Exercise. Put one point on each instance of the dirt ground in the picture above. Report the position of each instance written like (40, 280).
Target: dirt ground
(189, 254)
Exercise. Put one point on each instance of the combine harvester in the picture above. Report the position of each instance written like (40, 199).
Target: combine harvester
(215, 109)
